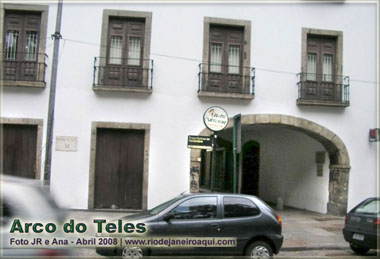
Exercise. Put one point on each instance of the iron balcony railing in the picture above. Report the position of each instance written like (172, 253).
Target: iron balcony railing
(325, 88)
(226, 79)
(25, 67)
(123, 73)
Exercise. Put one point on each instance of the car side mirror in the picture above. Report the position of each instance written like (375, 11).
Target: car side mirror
(3, 221)
(168, 217)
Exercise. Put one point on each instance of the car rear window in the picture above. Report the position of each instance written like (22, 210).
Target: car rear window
(235, 207)
(369, 207)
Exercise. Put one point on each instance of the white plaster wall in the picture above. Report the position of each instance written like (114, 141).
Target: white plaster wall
(174, 110)
(288, 168)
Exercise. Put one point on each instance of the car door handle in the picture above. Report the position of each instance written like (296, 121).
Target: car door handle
(216, 226)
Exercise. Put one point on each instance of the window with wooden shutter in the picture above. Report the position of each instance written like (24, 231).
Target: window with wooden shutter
(125, 52)
(21, 38)
(225, 71)
(321, 83)
(225, 61)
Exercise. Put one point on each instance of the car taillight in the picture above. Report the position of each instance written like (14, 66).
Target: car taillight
(279, 219)
(376, 221)
(346, 219)
(51, 253)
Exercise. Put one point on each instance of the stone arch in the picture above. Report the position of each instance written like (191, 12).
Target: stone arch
(338, 154)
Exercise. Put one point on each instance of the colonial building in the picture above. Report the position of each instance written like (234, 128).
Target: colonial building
(134, 80)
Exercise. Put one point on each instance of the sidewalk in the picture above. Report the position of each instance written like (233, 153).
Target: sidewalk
(305, 230)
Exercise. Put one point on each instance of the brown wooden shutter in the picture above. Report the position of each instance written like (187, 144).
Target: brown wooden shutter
(24, 66)
(124, 73)
(31, 29)
(113, 71)
(235, 37)
(321, 89)
(224, 81)
(133, 72)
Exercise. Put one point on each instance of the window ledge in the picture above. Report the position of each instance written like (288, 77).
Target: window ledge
(322, 103)
(122, 89)
(30, 84)
(227, 95)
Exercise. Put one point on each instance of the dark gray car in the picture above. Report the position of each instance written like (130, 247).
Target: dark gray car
(361, 228)
(256, 227)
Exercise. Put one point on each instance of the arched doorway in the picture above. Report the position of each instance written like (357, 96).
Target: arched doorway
(250, 168)
(338, 155)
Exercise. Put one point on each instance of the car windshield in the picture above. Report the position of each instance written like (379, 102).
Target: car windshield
(370, 207)
(164, 205)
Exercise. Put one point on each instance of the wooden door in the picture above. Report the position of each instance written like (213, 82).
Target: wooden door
(119, 168)
(19, 150)
(251, 167)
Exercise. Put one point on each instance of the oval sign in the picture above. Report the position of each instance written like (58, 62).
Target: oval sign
(215, 118)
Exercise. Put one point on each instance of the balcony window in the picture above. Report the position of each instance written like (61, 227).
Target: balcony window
(225, 71)
(124, 63)
(321, 80)
(24, 45)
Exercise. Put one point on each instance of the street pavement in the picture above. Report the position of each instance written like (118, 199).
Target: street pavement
(309, 234)
(306, 234)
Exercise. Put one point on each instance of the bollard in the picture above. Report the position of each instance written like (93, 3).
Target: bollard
(280, 203)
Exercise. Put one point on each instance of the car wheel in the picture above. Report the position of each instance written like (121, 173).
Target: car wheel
(259, 249)
(359, 249)
(132, 253)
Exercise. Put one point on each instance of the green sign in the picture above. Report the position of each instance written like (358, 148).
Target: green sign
(199, 142)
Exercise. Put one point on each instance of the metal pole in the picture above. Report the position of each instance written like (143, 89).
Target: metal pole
(236, 148)
(213, 163)
(53, 81)
(234, 156)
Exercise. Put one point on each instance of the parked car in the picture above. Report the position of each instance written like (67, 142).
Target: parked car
(362, 225)
(29, 201)
(256, 227)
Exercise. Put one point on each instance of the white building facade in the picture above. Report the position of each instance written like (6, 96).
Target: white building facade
(134, 80)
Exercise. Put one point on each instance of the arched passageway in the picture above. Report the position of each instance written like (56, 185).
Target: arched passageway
(338, 155)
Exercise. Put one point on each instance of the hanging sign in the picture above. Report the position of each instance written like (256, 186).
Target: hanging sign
(215, 118)
(199, 142)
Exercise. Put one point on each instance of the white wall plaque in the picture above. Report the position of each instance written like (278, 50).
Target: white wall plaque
(66, 143)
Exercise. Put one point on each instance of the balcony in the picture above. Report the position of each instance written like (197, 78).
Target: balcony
(126, 75)
(229, 82)
(25, 73)
(331, 91)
